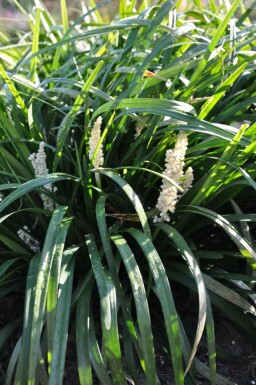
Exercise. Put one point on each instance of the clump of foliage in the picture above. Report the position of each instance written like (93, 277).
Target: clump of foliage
(81, 238)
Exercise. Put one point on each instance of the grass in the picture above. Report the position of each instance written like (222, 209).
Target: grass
(98, 263)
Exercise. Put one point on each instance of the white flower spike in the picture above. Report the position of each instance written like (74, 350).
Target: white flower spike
(26, 237)
(93, 143)
(38, 161)
(174, 164)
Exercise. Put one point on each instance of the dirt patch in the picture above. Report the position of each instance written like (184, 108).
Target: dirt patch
(236, 358)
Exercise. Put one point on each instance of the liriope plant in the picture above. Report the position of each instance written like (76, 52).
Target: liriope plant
(101, 124)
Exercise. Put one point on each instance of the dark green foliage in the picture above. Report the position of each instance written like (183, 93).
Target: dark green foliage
(100, 264)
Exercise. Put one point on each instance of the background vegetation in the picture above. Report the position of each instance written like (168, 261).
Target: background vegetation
(97, 268)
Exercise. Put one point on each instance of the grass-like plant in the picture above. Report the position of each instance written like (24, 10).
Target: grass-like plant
(91, 245)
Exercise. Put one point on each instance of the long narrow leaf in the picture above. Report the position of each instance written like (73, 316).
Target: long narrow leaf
(41, 291)
(220, 91)
(64, 15)
(108, 314)
(35, 45)
(139, 294)
(62, 320)
(167, 302)
(6, 331)
(98, 363)
(82, 334)
(31, 185)
(176, 110)
(13, 90)
(187, 254)
(53, 290)
(210, 333)
(131, 195)
(245, 248)
(69, 119)
(215, 39)
(229, 294)
(13, 362)
(22, 367)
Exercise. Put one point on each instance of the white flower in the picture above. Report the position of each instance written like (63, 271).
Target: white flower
(38, 161)
(82, 46)
(188, 180)
(174, 164)
(33, 243)
(98, 156)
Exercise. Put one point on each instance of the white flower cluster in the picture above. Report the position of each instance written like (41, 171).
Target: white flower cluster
(1, 197)
(93, 143)
(24, 234)
(174, 164)
(38, 161)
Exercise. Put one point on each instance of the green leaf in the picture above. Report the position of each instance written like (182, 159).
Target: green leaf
(64, 15)
(69, 119)
(243, 225)
(187, 254)
(214, 41)
(179, 111)
(33, 184)
(160, 175)
(62, 319)
(131, 195)
(163, 43)
(220, 91)
(82, 334)
(98, 363)
(6, 331)
(108, 314)
(35, 44)
(13, 90)
(205, 372)
(52, 301)
(245, 248)
(96, 11)
(22, 366)
(210, 333)
(228, 294)
(167, 302)
(13, 362)
(139, 295)
(167, 106)
(40, 294)
(114, 263)
(6, 265)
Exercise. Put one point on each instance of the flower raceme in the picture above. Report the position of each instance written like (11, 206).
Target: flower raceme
(38, 161)
(98, 156)
(174, 165)
(26, 237)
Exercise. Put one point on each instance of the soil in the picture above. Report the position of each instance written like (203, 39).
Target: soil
(236, 359)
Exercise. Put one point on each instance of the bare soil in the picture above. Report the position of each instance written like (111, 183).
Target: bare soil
(236, 358)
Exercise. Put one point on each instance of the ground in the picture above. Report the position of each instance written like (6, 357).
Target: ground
(236, 358)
